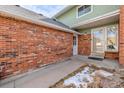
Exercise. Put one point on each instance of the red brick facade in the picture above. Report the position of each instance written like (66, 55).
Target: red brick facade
(111, 55)
(25, 46)
(84, 44)
(121, 36)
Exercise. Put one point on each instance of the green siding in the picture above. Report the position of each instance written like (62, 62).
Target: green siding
(69, 17)
(88, 31)
(85, 31)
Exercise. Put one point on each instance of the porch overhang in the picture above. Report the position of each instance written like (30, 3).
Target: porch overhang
(98, 21)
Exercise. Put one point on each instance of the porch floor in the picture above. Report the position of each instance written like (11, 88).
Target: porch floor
(107, 63)
(48, 75)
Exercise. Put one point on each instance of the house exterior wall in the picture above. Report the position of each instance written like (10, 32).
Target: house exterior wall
(84, 45)
(69, 17)
(25, 46)
(112, 55)
(121, 36)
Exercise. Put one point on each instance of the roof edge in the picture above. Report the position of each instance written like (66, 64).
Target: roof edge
(11, 14)
(110, 14)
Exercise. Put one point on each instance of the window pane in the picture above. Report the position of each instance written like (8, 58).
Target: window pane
(98, 46)
(112, 38)
(84, 9)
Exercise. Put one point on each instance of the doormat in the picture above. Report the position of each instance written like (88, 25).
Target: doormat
(96, 58)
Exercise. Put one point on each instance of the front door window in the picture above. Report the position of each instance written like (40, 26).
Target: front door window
(98, 40)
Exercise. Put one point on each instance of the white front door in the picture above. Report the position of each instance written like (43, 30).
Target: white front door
(98, 42)
(75, 44)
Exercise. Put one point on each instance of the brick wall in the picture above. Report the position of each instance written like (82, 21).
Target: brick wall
(121, 36)
(25, 46)
(84, 44)
(111, 55)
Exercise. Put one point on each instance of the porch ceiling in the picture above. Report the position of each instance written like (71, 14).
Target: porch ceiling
(99, 21)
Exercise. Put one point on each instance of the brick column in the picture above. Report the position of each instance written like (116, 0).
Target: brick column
(84, 44)
(121, 36)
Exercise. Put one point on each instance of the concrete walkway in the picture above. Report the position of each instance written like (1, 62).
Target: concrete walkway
(48, 75)
(106, 63)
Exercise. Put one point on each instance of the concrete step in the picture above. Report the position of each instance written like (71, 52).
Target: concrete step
(96, 57)
(98, 54)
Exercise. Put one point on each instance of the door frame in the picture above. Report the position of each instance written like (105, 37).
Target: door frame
(75, 47)
(104, 37)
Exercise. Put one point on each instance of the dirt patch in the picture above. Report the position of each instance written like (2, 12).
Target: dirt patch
(91, 76)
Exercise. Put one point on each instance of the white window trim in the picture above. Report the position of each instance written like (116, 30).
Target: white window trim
(75, 53)
(105, 38)
(92, 30)
(107, 50)
(83, 14)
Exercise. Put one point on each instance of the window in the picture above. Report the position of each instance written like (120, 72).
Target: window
(105, 38)
(112, 38)
(83, 10)
(74, 40)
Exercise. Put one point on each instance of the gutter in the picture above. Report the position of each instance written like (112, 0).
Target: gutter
(107, 15)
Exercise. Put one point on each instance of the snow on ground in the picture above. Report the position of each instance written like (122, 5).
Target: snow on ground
(83, 78)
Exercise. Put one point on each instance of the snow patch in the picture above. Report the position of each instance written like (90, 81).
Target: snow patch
(81, 79)
(85, 77)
